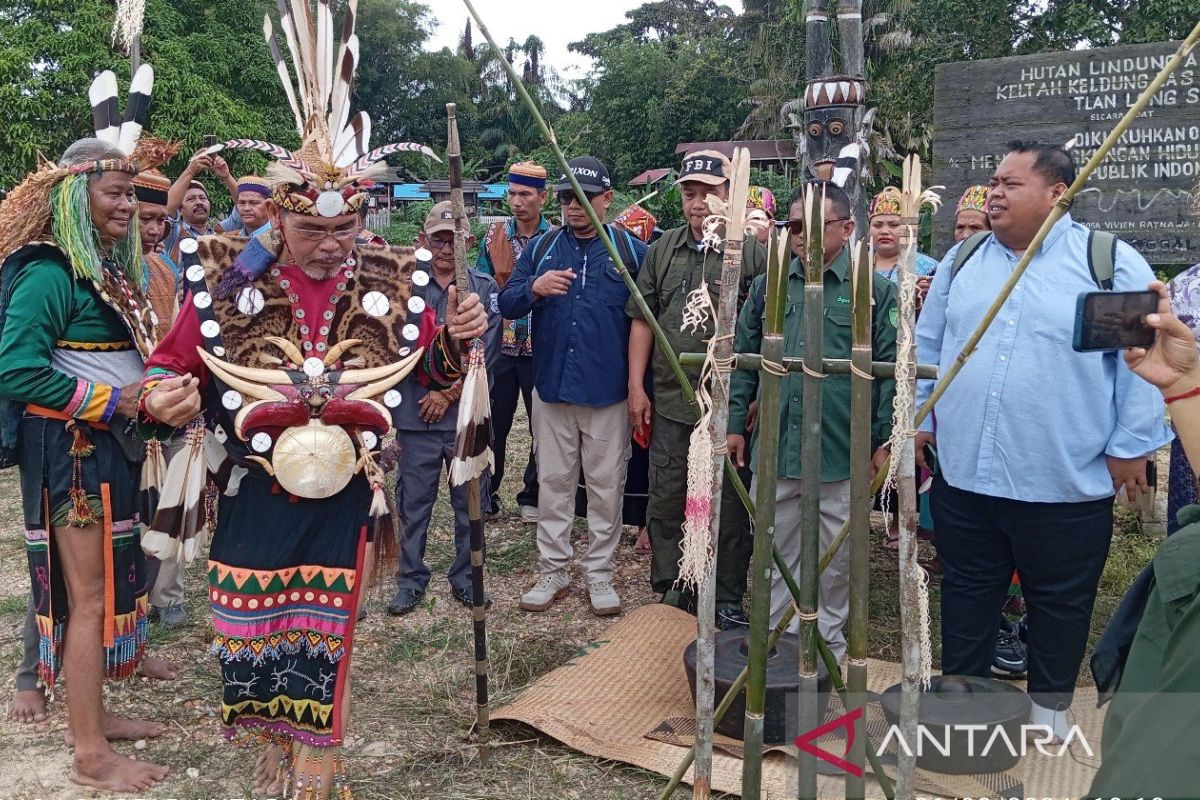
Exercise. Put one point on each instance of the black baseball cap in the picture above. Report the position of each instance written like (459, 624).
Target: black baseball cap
(590, 172)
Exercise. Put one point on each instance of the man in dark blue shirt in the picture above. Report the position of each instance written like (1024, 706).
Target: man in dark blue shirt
(580, 410)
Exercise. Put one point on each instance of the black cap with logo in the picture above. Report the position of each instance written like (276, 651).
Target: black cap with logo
(590, 172)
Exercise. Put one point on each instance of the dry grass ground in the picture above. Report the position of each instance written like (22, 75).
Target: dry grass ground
(414, 689)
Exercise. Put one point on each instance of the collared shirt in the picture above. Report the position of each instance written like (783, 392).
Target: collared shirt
(836, 341)
(1028, 418)
(925, 267)
(582, 356)
(517, 334)
(674, 267)
(178, 229)
(407, 415)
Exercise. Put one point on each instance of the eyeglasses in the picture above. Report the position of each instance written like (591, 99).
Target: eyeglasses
(317, 234)
(438, 244)
(796, 226)
(565, 198)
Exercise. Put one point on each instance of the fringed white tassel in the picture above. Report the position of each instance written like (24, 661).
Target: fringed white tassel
(127, 25)
(154, 469)
(379, 506)
(695, 562)
(473, 440)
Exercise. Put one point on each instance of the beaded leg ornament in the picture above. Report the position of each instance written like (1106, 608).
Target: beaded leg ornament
(80, 514)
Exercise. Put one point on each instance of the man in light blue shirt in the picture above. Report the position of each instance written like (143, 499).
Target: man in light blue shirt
(1033, 438)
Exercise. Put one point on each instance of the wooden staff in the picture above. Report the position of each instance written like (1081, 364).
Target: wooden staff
(472, 438)
(861, 416)
(770, 382)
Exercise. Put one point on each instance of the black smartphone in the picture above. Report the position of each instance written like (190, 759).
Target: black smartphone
(1113, 320)
(209, 140)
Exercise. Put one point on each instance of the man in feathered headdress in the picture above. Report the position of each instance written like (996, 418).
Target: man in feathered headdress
(74, 330)
(293, 343)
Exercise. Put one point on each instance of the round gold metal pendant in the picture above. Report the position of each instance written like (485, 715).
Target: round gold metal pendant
(315, 461)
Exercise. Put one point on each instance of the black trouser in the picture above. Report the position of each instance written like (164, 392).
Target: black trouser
(512, 380)
(1059, 550)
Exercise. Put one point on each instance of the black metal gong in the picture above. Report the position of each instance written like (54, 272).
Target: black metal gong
(783, 678)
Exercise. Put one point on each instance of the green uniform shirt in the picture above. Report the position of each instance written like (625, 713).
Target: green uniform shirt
(1149, 746)
(674, 267)
(835, 396)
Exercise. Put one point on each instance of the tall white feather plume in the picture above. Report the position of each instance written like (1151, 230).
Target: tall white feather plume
(302, 19)
(280, 67)
(324, 54)
(293, 42)
(353, 141)
(339, 107)
(137, 108)
(103, 96)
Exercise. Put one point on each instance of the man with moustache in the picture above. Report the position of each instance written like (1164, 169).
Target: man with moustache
(676, 264)
(1033, 438)
(580, 413)
(426, 421)
(512, 374)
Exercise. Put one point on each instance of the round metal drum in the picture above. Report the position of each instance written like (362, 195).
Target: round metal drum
(955, 703)
(783, 678)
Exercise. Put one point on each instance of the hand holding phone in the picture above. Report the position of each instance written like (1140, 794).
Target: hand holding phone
(1113, 320)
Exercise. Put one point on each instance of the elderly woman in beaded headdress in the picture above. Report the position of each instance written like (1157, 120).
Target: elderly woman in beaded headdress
(293, 342)
(75, 330)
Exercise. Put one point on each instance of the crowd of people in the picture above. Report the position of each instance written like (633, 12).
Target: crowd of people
(285, 335)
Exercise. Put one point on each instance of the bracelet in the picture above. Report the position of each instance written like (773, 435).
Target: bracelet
(1185, 395)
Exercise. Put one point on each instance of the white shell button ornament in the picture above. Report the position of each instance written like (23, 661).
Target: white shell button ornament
(410, 332)
(370, 439)
(313, 367)
(210, 329)
(250, 300)
(330, 204)
(195, 272)
(231, 400)
(416, 305)
(391, 398)
(423, 255)
(420, 277)
(188, 245)
(202, 299)
(261, 442)
(376, 304)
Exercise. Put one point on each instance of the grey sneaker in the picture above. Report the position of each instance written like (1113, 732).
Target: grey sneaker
(604, 599)
(172, 616)
(529, 514)
(550, 588)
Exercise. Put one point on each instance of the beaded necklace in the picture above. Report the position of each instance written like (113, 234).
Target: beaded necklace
(345, 280)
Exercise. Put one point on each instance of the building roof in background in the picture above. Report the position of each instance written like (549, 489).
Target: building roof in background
(409, 191)
(650, 176)
(760, 149)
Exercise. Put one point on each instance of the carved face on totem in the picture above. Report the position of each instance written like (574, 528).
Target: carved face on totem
(831, 110)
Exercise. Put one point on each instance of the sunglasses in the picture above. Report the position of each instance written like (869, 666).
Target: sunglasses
(796, 226)
(565, 198)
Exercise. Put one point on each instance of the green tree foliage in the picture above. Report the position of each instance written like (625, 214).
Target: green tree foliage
(212, 75)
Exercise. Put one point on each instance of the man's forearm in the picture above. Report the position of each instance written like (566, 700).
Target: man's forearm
(641, 340)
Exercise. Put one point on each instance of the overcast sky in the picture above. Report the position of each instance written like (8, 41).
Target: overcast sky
(555, 22)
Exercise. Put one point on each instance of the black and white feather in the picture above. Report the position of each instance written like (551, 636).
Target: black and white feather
(110, 126)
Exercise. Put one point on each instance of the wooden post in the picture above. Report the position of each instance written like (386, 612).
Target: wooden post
(861, 417)
(731, 273)
(474, 505)
(810, 479)
(764, 519)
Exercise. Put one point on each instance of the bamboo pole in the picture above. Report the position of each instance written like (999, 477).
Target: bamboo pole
(1057, 213)
(810, 479)
(833, 366)
(861, 415)
(706, 611)
(764, 521)
(474, 509)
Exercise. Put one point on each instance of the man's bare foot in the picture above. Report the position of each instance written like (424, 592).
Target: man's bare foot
(122, 728)
(159, 669)
(28, 705)
(115, 773)
(268, 777)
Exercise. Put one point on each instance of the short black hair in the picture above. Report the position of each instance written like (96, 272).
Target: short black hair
(834, 194)
(1051, 161)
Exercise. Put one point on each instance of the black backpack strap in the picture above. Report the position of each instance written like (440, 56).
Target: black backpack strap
(621, 239)
(542, 246)
(1102, 258)
(966, 250)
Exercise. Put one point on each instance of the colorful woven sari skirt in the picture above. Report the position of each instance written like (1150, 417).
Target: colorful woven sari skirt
(110, 494)
(283, 583)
